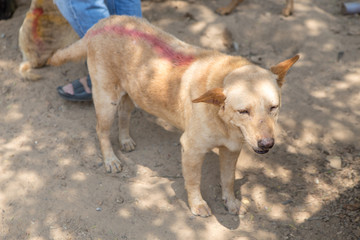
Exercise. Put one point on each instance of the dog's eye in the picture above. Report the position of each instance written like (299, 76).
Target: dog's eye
(273, 108)
(244, 111)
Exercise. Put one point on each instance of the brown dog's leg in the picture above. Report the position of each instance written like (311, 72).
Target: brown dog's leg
(289, 8)
(229, 8)
(228, 162)
(105, 99)
(105, 118)
(124, 110)
(192, 160)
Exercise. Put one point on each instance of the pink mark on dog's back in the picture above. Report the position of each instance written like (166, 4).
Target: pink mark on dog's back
(37, 12)
(160, 46)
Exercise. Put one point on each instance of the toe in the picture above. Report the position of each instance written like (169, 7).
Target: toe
(201, 210)
(233, 206)
(68, 88)
(127, 145)
(113, 165)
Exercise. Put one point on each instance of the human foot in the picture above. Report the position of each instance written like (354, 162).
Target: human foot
(78, 90)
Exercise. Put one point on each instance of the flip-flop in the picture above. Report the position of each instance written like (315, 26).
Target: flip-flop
(79, 92)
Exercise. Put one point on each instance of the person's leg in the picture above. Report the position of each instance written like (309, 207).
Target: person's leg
(124, 7)
(82, 15)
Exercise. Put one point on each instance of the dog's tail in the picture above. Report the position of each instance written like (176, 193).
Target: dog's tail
(25, 71)
(75, 52)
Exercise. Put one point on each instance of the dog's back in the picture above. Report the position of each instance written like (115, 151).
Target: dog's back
(151, 64)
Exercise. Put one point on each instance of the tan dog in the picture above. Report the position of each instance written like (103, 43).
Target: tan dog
(217, 100)
(287, 10)
(43, 31)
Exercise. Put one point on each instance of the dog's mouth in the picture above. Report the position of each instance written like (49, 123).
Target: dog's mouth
(261, 151)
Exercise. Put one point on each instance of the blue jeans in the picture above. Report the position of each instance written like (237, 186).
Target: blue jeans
(83, 14)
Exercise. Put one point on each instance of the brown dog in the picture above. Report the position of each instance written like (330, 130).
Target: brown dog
(217, 100)
(43, 31)
(287, 10)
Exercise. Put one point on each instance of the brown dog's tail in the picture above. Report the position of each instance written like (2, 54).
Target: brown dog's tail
(26, 72)
(75, 52)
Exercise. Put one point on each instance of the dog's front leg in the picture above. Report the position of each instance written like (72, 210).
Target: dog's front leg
(191, 163)
(192, 160)
(228, 162)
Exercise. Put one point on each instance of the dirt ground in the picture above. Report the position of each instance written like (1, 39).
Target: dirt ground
(53, 185)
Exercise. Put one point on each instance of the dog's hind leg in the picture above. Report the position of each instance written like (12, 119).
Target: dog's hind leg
(228, 162)
(105, 114)
(124, 111)
(105, 118)
(105, 97)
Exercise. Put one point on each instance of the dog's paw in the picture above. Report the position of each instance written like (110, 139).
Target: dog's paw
(233, 206)
(223, 11)
(112, 164)
(201, 209)
(127, 144)
(287, 11)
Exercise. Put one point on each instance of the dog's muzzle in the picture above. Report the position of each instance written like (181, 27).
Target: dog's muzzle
(264, 145)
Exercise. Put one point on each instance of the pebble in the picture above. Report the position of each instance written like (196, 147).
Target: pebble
(119, 200)
(334, 161)
(2, 35)
(236, 46)
(354, 31)
(317, 181)
(245, 201)
(98, 209)
(287, 202)
(340, 56)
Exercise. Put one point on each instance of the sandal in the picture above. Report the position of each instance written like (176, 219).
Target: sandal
(79, 92)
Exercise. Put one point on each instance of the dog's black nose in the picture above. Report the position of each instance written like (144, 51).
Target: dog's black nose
(266, 143)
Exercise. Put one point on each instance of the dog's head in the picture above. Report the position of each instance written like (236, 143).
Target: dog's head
(250, 101)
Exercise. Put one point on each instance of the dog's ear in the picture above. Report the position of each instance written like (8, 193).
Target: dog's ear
(282, 68)
(214, 96)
